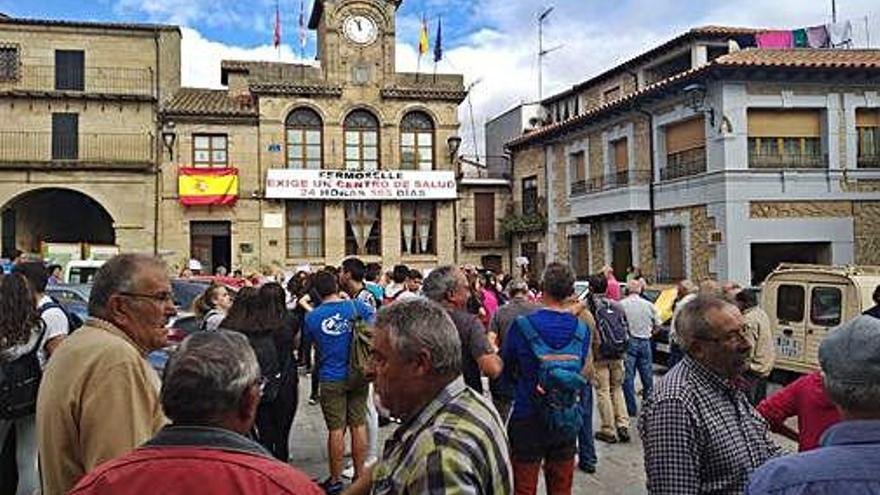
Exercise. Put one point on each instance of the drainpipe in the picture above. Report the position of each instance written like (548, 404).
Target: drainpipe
(653, 221)
(157, 147)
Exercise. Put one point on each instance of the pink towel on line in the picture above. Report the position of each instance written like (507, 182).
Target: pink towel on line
(775, 39)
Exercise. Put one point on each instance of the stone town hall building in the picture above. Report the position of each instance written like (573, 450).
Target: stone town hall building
(312, 162)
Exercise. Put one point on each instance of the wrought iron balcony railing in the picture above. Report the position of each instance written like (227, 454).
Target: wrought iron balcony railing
(788, 160)
(614, 180)
(684, 164)
(98, 80)
(40, 147)
(869, 161)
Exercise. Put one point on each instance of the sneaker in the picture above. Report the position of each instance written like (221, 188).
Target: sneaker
(313, 400)
(331, 488)
(587, 468)
(348, 473)
(623, 434)
(605, 437)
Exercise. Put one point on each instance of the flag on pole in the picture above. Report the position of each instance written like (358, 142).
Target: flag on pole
(277, 38)
(438, 42)
(424, 44)
(303, 34)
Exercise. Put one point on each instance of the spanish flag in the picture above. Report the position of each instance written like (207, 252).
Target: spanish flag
(424, 44)
(207, 186)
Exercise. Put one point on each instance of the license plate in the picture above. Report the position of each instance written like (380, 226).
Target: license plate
(788, 347)
(661, 347)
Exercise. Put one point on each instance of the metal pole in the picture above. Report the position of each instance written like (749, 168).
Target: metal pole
(834, 11)
(541, 53)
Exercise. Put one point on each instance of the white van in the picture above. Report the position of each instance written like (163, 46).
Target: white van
(81, 271)
(806, 302)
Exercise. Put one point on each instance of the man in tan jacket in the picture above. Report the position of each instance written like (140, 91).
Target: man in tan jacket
(759, 334)
(99, 395)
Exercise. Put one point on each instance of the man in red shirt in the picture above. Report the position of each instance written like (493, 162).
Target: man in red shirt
(806, 399)
(211, 391)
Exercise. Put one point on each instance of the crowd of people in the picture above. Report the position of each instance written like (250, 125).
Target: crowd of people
(89, 406)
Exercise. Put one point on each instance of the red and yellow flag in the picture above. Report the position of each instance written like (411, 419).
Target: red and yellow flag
(207, 186)
(423, 39)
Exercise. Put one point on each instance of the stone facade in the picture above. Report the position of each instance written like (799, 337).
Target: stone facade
(867, 232)
(352, 76)
(800, 209)
(106, 162)
(702, 250)
(469, 249)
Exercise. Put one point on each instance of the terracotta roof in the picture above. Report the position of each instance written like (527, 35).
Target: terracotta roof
(701, 32)
(209, 102)
(809, 59)
(88, 24)
(803, 58)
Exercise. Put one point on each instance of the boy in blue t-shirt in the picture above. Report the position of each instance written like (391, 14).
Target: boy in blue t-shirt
(329, 326)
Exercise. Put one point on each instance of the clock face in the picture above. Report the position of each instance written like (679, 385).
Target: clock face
(360, 29)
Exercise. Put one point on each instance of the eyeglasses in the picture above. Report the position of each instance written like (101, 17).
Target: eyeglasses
(162, 297)
(732, 337)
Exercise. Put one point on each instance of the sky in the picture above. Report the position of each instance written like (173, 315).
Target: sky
(493, 43)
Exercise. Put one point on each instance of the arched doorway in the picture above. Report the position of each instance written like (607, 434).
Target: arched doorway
(54, 215)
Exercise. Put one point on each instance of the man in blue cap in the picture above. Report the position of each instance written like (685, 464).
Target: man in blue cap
(850, 453)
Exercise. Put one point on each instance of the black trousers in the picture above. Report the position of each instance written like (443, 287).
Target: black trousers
(275, 418)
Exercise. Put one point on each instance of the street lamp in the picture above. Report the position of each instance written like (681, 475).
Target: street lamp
(453, 143)
(168, 138)
(695, 96)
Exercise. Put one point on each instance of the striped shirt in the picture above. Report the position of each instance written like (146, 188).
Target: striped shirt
(456, 444)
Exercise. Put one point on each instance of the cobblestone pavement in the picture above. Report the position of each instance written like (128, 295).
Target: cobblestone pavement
(620, 469)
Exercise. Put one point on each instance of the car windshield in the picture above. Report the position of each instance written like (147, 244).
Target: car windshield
(185, 292)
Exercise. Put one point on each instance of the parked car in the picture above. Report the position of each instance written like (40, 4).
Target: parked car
(81, 271)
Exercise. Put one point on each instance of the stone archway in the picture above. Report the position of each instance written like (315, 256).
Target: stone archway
(54, 215)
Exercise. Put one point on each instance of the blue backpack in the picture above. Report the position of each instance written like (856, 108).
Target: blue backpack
(560, 383)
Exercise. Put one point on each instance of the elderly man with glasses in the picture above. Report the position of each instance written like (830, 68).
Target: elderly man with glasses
(699, 432)
(211, 392)
(99, 397)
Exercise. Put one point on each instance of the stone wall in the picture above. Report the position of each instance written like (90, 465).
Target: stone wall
(800, 209)
(701, 250)
(867, 232)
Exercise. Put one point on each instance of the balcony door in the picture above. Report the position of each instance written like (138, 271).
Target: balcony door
(621, 253)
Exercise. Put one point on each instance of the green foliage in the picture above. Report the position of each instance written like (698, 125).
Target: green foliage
(522, 224)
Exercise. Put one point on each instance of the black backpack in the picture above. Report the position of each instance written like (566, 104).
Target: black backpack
(613, 329)
(19, 383)
(73, 321)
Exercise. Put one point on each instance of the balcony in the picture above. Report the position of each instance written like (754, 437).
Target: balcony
(684, 164)
(120, 81)
(616, 192)
(472, 239)
(787, 160)
(22, 149)
(868, 161)
(610, 181)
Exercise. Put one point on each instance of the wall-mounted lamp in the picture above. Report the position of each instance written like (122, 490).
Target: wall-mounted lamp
(695, 97)
(453, 143)
(168, 138)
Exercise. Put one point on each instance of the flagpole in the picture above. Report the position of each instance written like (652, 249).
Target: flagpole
(437, 46)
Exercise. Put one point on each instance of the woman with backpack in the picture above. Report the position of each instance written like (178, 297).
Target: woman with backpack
(211, 306)
(261, 315)
(22, 344)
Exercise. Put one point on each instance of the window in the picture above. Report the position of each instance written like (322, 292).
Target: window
(868, 130)
(685, 149)
(209, 151)
(825, 306)
(69, 70)
(580, 252)
(305, 229)
(790, 303)
(577, 172)
(530, 195)
(65, 136)
(785, 139)
(361, 141)
(303, 127)
(8, 63)
(417, 142)
(611, 94)
(417, 228)
(484, 216)
(363, 228)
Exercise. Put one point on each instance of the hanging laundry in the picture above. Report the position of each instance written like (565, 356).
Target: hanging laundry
(744, 40)
(840, 33)
(800, 38)
(733, 46)
(817, 37)
(775, 39)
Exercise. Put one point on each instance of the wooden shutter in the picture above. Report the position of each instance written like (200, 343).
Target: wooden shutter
(685, 135)
(674, 253)
(784, 123)
(484, 216)
(65, 136)
(69, 70)
(867, 118)
(621, 155)
(577, 164)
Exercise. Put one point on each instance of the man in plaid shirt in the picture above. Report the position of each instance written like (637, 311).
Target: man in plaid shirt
(700, 433)
(452, 439)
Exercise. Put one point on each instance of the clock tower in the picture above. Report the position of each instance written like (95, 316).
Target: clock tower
(356, 40)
